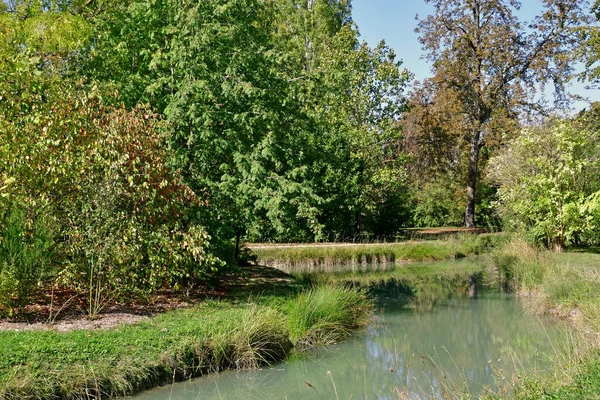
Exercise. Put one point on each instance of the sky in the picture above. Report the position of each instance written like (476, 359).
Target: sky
(394, 21)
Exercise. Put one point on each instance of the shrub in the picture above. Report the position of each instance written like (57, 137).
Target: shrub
(25, 251)
(548, 179)
(125, 222)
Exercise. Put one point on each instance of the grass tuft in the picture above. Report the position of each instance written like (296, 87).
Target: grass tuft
(327, 314)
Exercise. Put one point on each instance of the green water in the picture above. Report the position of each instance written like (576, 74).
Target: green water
(408, 352)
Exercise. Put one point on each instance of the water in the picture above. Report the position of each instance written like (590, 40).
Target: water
(464, 344)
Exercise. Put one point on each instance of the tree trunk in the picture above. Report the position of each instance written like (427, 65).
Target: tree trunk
(238, 236)
(472, 179)
(307, 40)
(357, 226)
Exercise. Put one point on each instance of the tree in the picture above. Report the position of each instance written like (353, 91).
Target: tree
(354, 97)
(238, 135)
(496, 66)
(87, 197)
(590, 48)
(548, 183)
(278, 114)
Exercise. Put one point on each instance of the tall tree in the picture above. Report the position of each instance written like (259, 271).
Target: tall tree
(238, 135)
(354, 95)
(498, 66)
(590, 49)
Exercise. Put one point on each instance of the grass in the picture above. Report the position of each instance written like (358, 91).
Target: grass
(325, 315)
(333, 258)
(174, 346)
(567, 285)
(424, 285)
(411, 273)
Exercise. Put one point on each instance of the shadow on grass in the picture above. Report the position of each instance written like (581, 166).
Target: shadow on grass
(591, 250)
(260, 280)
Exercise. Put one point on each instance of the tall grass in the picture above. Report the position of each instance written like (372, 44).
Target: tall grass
(325, 315)
(566, 285)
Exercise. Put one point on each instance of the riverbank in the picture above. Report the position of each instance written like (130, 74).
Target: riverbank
(566, 285)
(330, 258)
(267, 316)
(178, 345)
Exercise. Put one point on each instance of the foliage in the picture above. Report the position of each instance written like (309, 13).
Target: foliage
(354, 95)
(548, 184)
(279, 116)
(589, 50)
(25, 251)
(237, 134)
(124, 221)
(493, 66)
(437, 204)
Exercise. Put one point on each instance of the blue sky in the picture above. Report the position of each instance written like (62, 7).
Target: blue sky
(394, 21)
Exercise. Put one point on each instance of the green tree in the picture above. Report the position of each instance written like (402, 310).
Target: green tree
(496, 65)
(237, 133)
(354, 96)
(548, 178)
(278, 114)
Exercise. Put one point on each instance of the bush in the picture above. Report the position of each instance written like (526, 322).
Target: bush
(125, 222)
(25, 251)
(549, 184)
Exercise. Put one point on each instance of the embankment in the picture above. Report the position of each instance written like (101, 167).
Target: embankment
(175, 346)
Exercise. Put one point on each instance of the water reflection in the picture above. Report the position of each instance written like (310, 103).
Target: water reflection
(407, 353)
